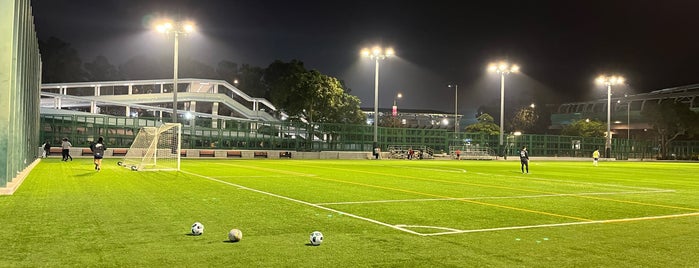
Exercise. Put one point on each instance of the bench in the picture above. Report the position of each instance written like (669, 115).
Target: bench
(208, 153)
(119, 151)
(86, 151)
(260, 154)
(56, 151)
(183, 153)
(285, 154)
(234, 154)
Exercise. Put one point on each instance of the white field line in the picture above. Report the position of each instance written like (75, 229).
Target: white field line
(572, 183)
(278, 176)
(452, 170)
(489, 197)
(305, 203)
(533, 178)
(562, 224)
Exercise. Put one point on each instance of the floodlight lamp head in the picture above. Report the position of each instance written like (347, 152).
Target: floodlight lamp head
(188, 27)
(492, 67)
(515, 68)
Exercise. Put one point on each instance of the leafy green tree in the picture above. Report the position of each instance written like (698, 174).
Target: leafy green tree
(585, 128)
(671, 120)
(486, 124)
(310, 95)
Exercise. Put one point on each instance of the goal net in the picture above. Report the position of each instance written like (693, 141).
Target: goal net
(155, 148)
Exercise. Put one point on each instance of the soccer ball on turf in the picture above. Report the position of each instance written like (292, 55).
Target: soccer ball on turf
(235, 235)
(197, 228)
(316, 238)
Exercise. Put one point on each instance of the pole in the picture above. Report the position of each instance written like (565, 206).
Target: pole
(174, 81)
(502, 106)
(628, 120)
(456, 109)
(608, 143)
(376, 104)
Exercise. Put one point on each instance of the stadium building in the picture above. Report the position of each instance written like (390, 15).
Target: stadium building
(627, 121)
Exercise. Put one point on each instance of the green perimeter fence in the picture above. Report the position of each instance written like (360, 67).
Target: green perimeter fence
(205, 133)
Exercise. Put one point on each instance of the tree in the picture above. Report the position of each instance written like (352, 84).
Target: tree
(585, 128)
(60, 62)
(310, 95)
(670, 120)
(101, 70)
(486, 124)
(524, 119)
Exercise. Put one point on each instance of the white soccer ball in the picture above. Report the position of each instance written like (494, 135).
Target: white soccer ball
(316, 238)
(235, 235)
(197, 228)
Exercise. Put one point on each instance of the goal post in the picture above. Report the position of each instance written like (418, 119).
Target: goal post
(155, 148)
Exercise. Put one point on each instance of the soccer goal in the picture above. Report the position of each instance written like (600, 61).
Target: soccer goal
(155, 148)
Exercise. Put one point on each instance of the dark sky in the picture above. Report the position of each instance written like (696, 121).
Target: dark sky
(560, 45)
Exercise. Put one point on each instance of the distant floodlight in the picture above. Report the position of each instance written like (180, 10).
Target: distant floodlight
(608, 82)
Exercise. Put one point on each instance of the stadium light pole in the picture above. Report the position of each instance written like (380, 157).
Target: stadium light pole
(377, 53)
(503, 68)
(609, 81)
(176, 29)
(456, 108)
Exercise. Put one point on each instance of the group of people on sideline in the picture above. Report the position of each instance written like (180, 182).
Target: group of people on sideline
(98, 148)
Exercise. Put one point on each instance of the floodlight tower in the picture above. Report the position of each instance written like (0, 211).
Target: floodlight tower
(503, 68)
(377, 53)
(176, 29)
(456, 108)
(609, 81)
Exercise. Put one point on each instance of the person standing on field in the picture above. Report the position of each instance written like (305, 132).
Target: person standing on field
(47, 148)
(65, 145)
(98, 149)
(595, 157)
(524, 159)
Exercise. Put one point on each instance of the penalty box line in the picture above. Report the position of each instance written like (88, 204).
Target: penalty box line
(305, 203)
(561, 224)
(488, 197)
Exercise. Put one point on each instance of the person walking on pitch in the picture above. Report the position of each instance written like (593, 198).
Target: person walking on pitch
(98, 149)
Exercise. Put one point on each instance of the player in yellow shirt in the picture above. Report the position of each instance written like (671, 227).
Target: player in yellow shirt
(595, 157)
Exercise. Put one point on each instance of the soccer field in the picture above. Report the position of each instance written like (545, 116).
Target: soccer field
(388, 213)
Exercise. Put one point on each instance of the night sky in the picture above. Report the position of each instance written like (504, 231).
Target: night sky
(561, 45)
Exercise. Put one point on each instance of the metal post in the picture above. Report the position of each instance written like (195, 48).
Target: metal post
(456, 110)
(174, 81)
(376, 104)
(502, 106)
(608, 143)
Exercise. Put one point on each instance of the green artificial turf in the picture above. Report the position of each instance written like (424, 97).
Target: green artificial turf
(386, 213)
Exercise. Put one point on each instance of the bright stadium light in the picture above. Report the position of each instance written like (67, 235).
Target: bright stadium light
(503, 68)
(377, 53)
(609, 81)
(176, 29)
